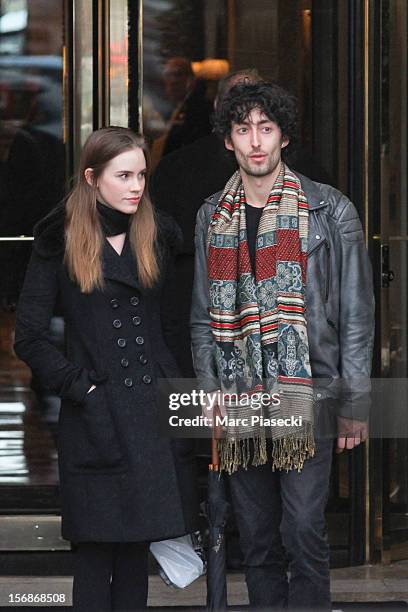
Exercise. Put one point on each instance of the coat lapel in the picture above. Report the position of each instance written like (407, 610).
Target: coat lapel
(120, 268)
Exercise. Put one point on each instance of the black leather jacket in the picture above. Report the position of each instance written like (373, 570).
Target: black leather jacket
(339, 301)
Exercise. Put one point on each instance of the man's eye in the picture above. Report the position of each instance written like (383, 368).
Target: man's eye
(242, 130)
(267, 129)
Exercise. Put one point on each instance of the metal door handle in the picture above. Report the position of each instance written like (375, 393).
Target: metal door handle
(387, 275)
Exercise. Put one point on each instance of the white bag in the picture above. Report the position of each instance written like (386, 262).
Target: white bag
(179, 561)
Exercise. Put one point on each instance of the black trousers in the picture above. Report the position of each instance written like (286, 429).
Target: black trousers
(110, 576)
(283, 512)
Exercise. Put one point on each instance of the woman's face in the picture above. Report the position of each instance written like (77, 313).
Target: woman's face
(122, 182)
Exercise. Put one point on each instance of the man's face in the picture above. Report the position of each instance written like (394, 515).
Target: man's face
(257, 144)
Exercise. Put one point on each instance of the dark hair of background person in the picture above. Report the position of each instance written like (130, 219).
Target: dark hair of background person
(275, 102)
(246, 75)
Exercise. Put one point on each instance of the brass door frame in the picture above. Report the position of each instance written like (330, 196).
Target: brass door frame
(378, 548)
(81, 121)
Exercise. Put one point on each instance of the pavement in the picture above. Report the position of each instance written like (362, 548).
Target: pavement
(368, 583)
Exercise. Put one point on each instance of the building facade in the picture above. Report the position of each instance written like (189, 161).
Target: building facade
(68, 67)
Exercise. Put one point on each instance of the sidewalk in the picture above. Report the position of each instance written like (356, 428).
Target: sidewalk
(369, 583)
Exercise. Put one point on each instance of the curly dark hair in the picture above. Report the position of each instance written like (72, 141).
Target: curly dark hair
(275, 102)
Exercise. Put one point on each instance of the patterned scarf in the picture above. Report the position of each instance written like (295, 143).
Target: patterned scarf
(259, 326)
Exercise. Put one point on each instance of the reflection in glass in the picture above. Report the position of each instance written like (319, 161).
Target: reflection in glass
(83, 73)
(395, 231)
(179, 77)
(32, 175)
(118, 64)
(189, 46)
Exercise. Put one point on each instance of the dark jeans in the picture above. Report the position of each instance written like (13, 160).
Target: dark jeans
(284, 511)
(110, 576)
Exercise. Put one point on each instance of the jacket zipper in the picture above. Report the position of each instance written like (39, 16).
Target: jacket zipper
(328, 273)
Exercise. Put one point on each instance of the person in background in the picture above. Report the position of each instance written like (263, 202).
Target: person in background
(190, 118)
(179, 185)
(106, 256)
(282, 306)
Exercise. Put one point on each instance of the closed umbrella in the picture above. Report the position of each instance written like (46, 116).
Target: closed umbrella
(217, 514)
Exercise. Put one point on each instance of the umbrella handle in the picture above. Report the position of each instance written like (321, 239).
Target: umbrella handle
(216, 434)
(215, 459)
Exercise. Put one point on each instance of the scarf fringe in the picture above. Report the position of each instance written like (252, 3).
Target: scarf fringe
(288, 453)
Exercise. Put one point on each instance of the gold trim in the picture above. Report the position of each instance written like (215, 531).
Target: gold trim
(66, 84)
(106, 64)
(64, 95)
(103, 62)
(140, 67)
(76, 135)
(16, 238)
(366, 218)
(231, 37)
(366, 113)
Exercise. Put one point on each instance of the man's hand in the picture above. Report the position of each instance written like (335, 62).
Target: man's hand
(350, 433)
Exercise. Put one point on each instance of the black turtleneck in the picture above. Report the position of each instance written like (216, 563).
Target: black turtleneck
(253, 216)
(113, 222)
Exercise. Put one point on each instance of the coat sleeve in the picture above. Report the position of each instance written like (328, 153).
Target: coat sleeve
(357, 314)
(202, 342)
(32, 345)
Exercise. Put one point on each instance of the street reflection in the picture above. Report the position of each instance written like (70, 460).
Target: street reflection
(32, 177)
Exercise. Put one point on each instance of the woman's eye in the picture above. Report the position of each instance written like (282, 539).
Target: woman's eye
(124, 175)
(142, 175)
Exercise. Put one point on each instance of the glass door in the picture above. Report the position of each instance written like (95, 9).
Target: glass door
(32, 176)
(63, 72)
(394, 255)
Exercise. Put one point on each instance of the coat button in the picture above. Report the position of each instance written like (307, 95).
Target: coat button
(147, 379)
(136, 320)
(140, 340)
(143, 359)
(117, 323)
(124, 362)
(128, 382)
(114, 303)
(318, 236)
(121, 342)
(134, 300)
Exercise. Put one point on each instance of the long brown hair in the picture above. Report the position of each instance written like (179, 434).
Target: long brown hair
(83, 232)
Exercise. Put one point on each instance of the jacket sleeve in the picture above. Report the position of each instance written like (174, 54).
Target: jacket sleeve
(357, 314)
(202, 342)
(32, 345)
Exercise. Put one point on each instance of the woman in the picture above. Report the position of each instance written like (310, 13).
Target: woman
(105, 258)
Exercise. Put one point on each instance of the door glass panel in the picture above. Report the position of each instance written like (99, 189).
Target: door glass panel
(394, 229)
(82, 74)
(32, 175)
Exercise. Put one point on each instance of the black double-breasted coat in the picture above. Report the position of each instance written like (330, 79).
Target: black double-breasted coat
(121, 479)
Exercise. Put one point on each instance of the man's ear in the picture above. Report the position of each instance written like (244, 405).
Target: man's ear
(228, 144)
(89, 176)
(285, 142)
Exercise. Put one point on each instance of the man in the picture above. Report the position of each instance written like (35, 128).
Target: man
(283, 305)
